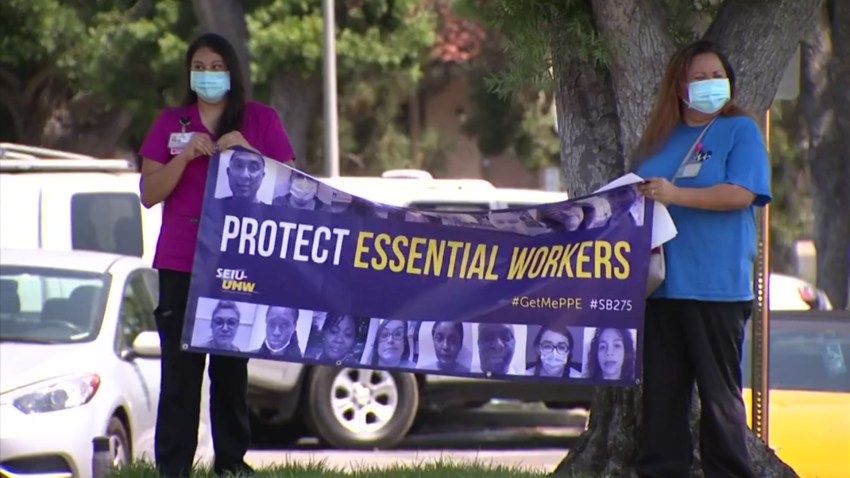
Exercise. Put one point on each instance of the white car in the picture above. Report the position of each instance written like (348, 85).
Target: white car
(79, 359)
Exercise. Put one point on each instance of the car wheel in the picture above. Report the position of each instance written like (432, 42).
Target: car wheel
(359, 408)
(119, 442)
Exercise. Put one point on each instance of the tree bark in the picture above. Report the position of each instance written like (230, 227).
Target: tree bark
(227, 18)
(297, 101)
(588, 126)
(639, 46)
(759, 37)
(32, 101)
(824, 101)
(601, 113)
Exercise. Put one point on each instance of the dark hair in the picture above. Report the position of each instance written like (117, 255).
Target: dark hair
(558, 328)
(336, 319)
(458, 326)
(234, 110)
(405, 354)
(627, 372)
(225, 305)
(667, 112)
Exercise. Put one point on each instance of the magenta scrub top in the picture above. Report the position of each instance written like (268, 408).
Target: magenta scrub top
(181, 214)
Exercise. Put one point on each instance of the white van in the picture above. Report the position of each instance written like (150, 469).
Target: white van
(56, 200)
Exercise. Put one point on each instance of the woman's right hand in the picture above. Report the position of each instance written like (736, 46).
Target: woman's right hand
(200, 145)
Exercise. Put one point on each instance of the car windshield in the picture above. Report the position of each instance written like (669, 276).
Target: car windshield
(39, 305)
(806, 354)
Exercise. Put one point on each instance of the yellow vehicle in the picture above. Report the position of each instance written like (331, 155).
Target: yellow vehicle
(809, 401)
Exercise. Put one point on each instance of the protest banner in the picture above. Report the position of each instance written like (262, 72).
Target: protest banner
(289, 268)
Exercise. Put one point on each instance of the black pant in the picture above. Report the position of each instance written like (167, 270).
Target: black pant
(686, 340)
(179, 408)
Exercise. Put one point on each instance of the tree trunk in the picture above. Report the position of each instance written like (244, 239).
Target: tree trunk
(639, 46)
(760, 36)
(87, 125)
(31, 101)
(297, 101)
(227, 18)
(601, 113)
(824, 102)
(591, 154)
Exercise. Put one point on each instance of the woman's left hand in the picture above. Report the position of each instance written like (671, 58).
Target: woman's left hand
(231, 139)
(659, 190)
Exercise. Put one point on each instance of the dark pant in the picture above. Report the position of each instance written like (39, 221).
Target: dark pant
(686, 340)
(180, 392)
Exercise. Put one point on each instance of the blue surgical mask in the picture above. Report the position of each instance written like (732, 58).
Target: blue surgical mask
(211, 86)
(709, 96)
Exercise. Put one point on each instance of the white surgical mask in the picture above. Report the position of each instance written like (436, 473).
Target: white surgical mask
(709, 96)
(553, 360)
(302, 190)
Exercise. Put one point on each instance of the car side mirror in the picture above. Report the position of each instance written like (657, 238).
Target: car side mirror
(147, 345)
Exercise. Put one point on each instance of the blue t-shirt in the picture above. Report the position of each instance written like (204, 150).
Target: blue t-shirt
(711, 258)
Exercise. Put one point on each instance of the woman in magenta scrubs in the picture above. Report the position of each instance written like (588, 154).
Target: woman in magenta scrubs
(216, 116)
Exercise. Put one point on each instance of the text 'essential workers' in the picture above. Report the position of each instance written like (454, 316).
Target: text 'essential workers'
(424, 256)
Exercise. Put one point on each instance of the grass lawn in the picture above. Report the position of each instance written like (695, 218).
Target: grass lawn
(318, 470)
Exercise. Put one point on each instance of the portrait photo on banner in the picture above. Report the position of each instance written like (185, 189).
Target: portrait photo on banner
(610, 353)
(245, 176)
(392, 343)
(337, 338)
(297, 190)
(445, 347)
(280, 333)
(555, 350)
(223, 324)
(498, 349)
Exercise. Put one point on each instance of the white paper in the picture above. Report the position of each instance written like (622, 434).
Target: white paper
(663, 228)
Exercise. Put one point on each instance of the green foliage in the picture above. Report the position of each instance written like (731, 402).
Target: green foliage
(527, 30)
(378, 36)
(35, 32)
(538, 145)
(136, 63)
(518, 122)
(133, 59)
(791, 216)
(495, 119)
(373, 137)
(105, 49)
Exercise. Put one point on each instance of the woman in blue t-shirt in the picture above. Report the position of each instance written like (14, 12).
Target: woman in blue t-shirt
(705, 159)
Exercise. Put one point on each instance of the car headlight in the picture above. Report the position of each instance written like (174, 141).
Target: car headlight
(57, 395)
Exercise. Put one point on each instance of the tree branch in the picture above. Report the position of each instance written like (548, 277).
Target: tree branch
(587, 122)
(639, 44)
(141, 9)
(11, 80)
(36, 84)
(760, 36)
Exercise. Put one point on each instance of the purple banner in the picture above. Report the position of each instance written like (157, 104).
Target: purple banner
(290, 268)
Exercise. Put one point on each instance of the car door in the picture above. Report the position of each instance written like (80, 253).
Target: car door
(140, 375)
